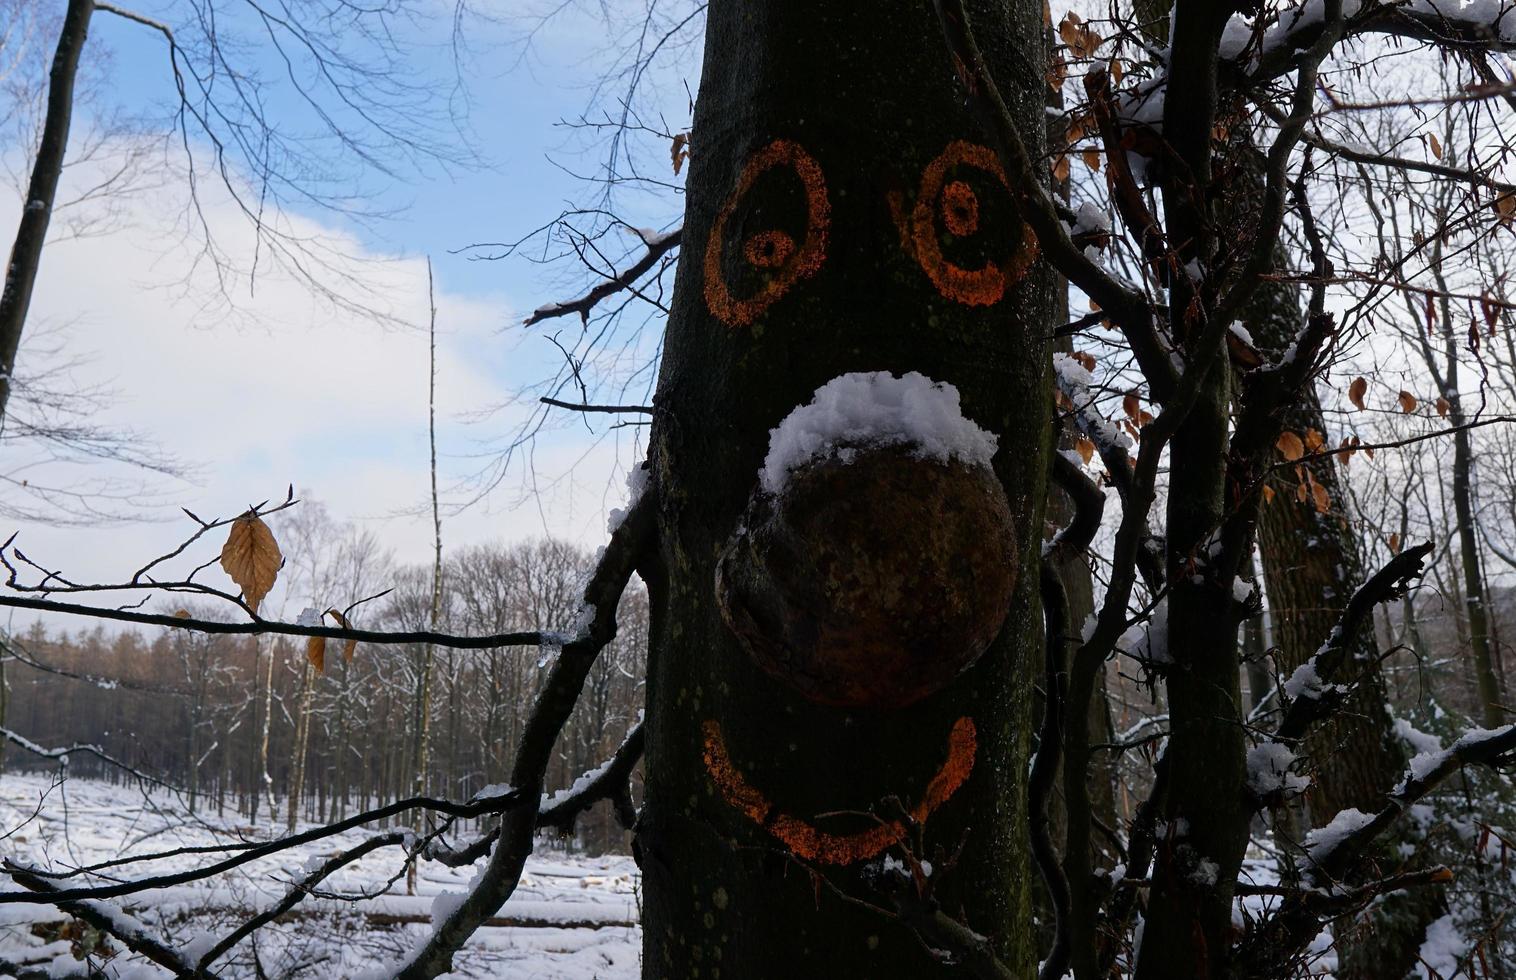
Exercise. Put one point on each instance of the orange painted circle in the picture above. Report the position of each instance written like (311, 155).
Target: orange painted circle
(768, 249)
(960, 209)
(774, 252)
(958, 206)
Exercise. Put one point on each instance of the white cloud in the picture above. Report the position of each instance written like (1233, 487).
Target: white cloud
(290, 389)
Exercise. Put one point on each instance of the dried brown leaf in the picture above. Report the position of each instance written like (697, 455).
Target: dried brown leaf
(679, 152)
(348, 646)
(1356, 391)
(1322, 499)
(251, 558)
(315, 652)
(1290, 446)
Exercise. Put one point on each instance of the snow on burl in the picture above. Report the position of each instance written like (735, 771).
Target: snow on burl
(874, 409)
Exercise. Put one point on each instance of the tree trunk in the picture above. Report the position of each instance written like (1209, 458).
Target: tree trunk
(1491, 710)
(833, 152)
(41, 190)
(302, 745)
(1188, 924)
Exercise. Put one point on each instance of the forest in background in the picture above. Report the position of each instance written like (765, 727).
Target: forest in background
(188, 708)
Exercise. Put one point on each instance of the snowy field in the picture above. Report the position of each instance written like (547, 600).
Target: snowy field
(572, 918)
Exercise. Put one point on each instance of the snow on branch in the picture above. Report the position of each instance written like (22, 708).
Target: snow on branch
(608, 781)
(1313, 689)
(61, 756)
(658, 244)
(1333, 850)
(1262, 51)
(130, 932)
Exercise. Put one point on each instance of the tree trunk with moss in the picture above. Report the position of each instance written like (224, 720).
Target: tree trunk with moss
(1311, 567)
(841, 672)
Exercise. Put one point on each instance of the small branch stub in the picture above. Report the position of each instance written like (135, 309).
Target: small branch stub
(874, 578)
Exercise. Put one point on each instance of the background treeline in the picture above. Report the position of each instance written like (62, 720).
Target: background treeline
(251, 726)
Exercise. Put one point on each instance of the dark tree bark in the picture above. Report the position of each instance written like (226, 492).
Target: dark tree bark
(41, 191)
(827, 213)
(1188, 924)
(1311, 567)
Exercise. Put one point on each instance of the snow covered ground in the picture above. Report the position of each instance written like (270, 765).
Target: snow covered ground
(572, 918)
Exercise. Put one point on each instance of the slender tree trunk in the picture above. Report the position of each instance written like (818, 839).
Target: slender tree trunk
(41, 190)
(302, 744)
(832, 154)
(1188, 922)
(266, 777)
(1491, 701)
(424, 686)
(1491, 707)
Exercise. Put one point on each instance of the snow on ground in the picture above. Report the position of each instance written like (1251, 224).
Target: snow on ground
(582, 912)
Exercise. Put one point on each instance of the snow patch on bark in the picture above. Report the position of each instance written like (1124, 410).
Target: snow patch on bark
(875, 409)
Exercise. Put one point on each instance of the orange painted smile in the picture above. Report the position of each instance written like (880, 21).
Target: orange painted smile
(813, 844)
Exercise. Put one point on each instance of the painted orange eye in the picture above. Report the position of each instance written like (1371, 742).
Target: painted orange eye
(769, 234)
(965, 190)
(960, 209)
(768, 249)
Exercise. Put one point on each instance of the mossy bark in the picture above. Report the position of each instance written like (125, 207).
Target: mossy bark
(826, 144)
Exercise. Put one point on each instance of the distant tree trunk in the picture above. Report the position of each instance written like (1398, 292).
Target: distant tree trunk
(836, 184)
(302, 743)
(1491, 709)
(265, 775)
(1311, 566)
(424, 684)
(41, 190)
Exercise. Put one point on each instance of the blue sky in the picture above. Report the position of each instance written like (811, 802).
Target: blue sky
(279, 387)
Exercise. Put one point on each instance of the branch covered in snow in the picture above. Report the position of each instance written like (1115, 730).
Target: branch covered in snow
(127, 930)
(61, 755)
(609, 781)
(1464, 25)
(1313, 687)
(1333, 850)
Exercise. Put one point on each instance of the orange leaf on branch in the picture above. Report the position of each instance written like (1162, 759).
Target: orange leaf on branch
(251, 558)
(1290, 446)
(1356, 391)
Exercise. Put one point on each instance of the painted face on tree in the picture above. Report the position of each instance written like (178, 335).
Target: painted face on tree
(755, 254)
(866, 575)
(771, 232)
(964, 229)
(876, 576)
